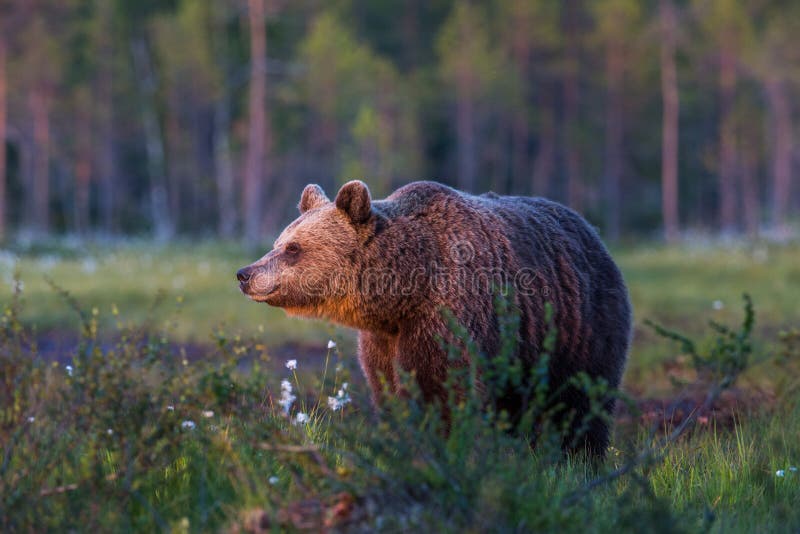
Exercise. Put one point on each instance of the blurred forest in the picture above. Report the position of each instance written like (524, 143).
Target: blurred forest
(199, 117)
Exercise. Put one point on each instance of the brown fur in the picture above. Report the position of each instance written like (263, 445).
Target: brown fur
(389, 268)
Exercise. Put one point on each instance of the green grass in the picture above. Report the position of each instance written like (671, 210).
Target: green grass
(131, 276)
(107, 448)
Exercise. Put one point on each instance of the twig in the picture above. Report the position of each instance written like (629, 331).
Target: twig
(46, 492)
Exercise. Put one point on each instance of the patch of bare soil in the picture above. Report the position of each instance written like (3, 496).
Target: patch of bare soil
(664, 414)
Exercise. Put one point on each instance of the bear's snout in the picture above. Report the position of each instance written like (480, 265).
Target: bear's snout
(244, 274)
(258, 281)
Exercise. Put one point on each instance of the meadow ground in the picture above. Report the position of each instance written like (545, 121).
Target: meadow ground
(170, 416)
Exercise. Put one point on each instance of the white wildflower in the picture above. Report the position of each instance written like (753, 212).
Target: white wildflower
(341, 399)
(287, 398)
(31, 419)
(170, 408)
(331, 344)
(110, 432)
(301, 418)
(718, 305)
(793, 469)
(273, 480)
(780, 473)
(291, 364)
(188, 425)
(69, 370)
(208, 413)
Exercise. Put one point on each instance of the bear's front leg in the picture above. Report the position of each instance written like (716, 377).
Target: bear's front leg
(420, 351)
(376, 354)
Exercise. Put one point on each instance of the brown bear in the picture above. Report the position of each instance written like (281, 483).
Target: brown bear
(389, 268)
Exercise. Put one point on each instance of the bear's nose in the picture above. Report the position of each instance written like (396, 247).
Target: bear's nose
(244, 274)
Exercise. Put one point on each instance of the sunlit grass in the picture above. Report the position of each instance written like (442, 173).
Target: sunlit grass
(130, 275)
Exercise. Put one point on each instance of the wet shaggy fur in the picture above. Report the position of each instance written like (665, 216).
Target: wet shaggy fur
(390, 267)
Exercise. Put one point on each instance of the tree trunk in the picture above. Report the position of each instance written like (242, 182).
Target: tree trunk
(782, 142)
(106, 172)
(175, 144)
(520, 128)
(410, 32)
(613, 140)
(223, 167)
(83, 172)
(727, 160)
(104, 142)
(3, 93)
(39, 104)
(519, 153)
(257, 138)
(671, 111)
(750, 196)
(221, 134)
(544, 164)
(154, 141)
(571, 103)
(465, 133)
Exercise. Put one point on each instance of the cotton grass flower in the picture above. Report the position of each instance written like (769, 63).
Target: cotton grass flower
(208, 414)
(780, 473)
(31, 419)
(273, 480)
(110, 432)
(287, 398)
(188, 425)
(331, 344)
(341, 399)
(301, 418)
(69, 369)
(291, 364)
(170, 408)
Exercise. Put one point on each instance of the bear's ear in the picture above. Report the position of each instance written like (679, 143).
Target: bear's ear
(353, 198)
(313, 197)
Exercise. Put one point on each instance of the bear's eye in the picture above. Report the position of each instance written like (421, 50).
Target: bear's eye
(292, 248)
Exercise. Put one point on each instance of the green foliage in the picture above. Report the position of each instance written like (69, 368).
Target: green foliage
(729, 353)
(360, 101)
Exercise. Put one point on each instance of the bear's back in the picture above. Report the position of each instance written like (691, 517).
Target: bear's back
(418, 198)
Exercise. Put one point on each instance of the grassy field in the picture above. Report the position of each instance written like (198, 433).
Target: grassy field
(155, 426)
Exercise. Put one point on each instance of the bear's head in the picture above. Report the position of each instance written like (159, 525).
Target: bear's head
(310, 272)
